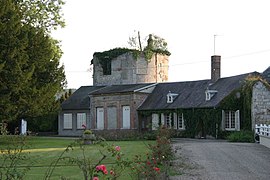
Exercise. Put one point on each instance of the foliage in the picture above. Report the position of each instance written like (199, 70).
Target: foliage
(146, 168)
(241, 136)
(30, 73)
(157, 160)
(94, 169)
(87, 131)
(12, 157)
(46, 14)
(3, 128)
(106, 56)
(162, 150)
(155, 45)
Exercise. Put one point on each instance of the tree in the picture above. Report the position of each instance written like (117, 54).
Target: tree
(154, 42)
(30, 73)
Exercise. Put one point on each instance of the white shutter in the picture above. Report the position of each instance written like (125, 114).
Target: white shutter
(155, 120)
(100, 118)
(237, 120)
(223, 120)
(126, 117)
(67, 121)
(183, 121)
(81, 119)
(162, 119)
(175, 120)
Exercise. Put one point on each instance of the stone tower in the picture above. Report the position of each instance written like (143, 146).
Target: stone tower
(128, 69)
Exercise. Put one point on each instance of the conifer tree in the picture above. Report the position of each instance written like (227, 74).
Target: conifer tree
(30, 73)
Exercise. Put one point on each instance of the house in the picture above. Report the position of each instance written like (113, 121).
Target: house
(128, 98)
(201, 108)
(122, 81)
(208, 107)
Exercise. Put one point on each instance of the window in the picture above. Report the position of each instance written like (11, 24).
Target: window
(68, 121)
(107, 67)
(168, 120)
(112, 117)
(209, 94)
(171, 97)
(155, 121)
(181, 124)
(81, 119)
(171, 120)
(100, 118)
(231, 120)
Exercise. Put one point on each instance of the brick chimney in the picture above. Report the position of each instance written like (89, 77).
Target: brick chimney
(215, 68)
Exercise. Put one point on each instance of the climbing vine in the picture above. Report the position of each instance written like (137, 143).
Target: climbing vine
(155, 45)
(207, 121)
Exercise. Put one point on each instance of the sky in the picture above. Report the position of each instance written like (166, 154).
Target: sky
(241, 29)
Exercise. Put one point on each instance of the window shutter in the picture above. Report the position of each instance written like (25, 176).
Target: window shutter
(183, 121)
(155, 120)
(237, 120)
(223, 120)
(175, 120)
(162, 119)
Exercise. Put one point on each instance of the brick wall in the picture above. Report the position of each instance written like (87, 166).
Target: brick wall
(133, 100)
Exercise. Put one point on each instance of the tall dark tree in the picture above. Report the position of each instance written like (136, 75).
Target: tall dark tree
(30, 73)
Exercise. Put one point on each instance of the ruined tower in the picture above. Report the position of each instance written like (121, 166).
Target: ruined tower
(129, 68)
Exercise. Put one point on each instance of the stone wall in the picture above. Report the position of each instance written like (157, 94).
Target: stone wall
(125, 69)
(260, 108)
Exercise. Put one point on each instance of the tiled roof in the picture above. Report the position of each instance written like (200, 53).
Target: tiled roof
(191, 94)
(79, 99)
(266, 74)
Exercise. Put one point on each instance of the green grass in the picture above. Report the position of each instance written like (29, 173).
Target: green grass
(43, 151)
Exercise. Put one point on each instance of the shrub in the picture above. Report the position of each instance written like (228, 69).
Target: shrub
(241, 136)
(87, 131)
(157, 160)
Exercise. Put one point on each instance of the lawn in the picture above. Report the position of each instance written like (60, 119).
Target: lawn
(42, 151)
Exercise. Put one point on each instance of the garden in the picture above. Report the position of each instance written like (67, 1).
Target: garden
(34, 157)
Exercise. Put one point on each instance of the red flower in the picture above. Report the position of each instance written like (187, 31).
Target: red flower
(112, 173)
(156, 169)
(95, 178)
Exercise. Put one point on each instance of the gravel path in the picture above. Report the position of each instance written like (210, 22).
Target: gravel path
(200, 159)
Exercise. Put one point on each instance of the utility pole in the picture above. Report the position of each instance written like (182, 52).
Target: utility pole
(215, 35)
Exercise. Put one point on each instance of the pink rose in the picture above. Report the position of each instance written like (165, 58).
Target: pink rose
(95, 178)
(102, 168)
(117, 148)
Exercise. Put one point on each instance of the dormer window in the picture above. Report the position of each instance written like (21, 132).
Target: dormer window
(209, 94)
(171, 97)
